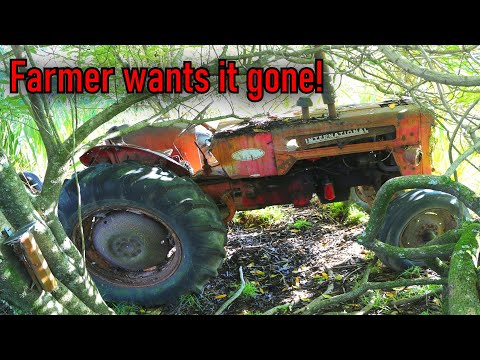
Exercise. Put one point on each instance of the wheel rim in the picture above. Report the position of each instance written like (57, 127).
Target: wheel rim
(425, 226)
(366, 193)
(129, 247)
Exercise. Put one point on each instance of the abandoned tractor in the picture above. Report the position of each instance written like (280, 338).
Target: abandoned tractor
(154, 203)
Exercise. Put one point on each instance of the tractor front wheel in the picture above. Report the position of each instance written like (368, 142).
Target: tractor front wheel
(416, 217)
(150, 235)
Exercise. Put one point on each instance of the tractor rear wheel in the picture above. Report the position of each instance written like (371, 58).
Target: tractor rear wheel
(150, 235)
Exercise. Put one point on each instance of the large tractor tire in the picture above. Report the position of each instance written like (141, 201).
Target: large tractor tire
(150, 235)
(416, 217)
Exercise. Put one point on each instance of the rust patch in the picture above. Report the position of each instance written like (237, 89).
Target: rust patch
(100, 267)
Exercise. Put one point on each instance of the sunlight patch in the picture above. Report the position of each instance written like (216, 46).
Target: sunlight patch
(67, 297)
(49, 211)
(136, 171)
(292, 145)
(40, 229)
(151, 176)
(59, 307)
(98, 299)
(6, 275)
(66, 244)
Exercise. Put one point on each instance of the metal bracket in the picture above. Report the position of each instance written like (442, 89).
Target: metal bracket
(7, 232)
(27, 249)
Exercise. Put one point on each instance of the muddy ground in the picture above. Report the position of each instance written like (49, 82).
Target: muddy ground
(288, 265)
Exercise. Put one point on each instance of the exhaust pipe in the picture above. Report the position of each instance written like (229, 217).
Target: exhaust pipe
(328, 94)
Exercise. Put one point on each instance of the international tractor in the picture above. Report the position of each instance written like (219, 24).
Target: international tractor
(155, 202)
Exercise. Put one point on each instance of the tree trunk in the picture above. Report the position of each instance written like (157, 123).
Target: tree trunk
(462, 277)
(76, 292)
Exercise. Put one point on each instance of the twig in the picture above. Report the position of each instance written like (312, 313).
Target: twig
(368, 270)
(416, 298)
(277, 308)
(368, 307)
(363, 311)
(319, 304)
(461, 158)
(362, 282)
(236, 295)
(331, 285)
(351, 272)
(395, 303)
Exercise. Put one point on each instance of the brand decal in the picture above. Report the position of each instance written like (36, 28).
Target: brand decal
(248, 154)
(336, 135)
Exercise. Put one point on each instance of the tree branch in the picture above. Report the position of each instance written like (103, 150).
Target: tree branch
(440, 183)
(427, 74)
(227, 303)
(461, 158)
(104, 116)
(320, 304)
(154, 123)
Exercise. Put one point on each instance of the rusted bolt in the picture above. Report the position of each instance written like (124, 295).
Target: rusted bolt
(305, 103)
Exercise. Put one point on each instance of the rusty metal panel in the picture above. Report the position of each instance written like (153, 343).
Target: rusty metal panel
(413, 139)
(246, 155)
(118, 153)
(412, 128)
(182, 143)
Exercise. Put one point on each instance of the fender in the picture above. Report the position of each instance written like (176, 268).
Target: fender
(119, 153)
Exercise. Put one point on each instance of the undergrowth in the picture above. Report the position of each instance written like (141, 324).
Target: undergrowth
(268, 216)
(125, 309)
(345, 213)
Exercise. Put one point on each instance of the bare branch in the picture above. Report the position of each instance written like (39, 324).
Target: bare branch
(461, 158)
(104, 116)
(427, 74)
(227, 303)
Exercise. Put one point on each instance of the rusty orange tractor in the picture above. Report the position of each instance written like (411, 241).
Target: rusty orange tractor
(154, 203)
